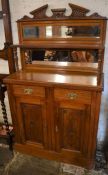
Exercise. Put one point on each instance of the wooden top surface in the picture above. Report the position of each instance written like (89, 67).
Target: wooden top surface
(81, 65)
(54, 79)
(49, 66)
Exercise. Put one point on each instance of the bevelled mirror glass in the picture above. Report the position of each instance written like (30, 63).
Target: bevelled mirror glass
(58, 31)
(62, 55)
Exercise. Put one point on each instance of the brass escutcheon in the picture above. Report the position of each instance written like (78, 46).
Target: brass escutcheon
(72, 96)
(28, 91)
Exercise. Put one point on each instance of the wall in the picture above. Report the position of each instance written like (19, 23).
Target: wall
(19, 8)
(2, 37)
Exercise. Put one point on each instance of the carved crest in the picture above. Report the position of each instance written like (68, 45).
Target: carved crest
(25, 18)
(77, 12)
(40, 12)
(96, 15)
(58, 13)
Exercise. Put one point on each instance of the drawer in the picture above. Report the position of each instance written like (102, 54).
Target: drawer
(73, 95)
(29, 90)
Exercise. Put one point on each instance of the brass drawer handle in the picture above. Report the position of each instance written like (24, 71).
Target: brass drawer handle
(72, 96)
(28, 91)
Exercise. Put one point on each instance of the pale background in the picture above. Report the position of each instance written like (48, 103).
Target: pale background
(19, 8)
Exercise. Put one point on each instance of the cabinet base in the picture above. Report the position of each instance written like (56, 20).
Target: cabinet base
(51, 155)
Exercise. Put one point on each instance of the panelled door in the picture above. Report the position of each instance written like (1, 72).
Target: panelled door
(72, 123)
(31, 115)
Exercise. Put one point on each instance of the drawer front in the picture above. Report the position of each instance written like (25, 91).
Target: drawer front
(73, 95)
(29, 90)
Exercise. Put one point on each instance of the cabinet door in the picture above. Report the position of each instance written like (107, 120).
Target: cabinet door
(72, 126)
(31, 114)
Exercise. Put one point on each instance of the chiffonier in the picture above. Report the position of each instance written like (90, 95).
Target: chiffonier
(55, 97)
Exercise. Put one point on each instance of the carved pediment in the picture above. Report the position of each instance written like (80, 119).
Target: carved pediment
(77, 12)
(25, 17)
(95, 15)
(58, 13)
(40, 12)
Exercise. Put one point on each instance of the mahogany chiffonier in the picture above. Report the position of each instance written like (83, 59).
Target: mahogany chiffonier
(55, 97)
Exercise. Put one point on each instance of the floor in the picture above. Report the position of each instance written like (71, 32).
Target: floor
(19, 164)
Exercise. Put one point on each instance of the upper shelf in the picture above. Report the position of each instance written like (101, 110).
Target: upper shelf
(75, 31)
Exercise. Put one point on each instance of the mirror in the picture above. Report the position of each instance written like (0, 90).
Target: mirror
(58, 31)
(80, 31)
(61, 55)
(31, 32)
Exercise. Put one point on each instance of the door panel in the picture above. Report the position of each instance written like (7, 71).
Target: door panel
(32, 121)
(72, 128)
(33, 124)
